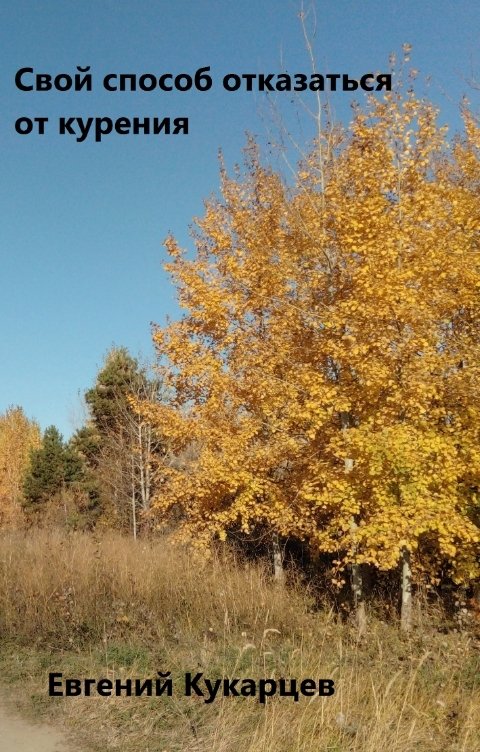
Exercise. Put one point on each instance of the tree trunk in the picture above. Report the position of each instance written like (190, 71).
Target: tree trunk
(141, 466)
(148, 457)
(134, 507)
(357, 579)
(406, 610)
(359, 599)
(278, 571)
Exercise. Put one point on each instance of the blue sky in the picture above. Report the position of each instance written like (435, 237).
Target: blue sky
(82, 224)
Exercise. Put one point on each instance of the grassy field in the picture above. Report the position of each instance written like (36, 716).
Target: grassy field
(111, 608)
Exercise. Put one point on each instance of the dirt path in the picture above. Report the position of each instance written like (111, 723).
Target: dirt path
(18, 735)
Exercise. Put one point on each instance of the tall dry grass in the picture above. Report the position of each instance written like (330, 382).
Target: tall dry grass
(110, 607)
(60, 590)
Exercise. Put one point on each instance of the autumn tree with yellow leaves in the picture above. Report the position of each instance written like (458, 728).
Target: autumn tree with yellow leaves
(18, 436)
(324, 376)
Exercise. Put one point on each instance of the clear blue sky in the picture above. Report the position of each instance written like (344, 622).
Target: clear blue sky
(82, 224)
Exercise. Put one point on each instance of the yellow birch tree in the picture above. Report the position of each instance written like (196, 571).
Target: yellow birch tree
(324, 376)
(18, 436)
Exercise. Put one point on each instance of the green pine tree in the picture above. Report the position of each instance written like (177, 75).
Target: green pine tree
(52, 466)
(108, 398)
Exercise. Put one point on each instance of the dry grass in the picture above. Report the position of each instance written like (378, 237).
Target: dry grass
(112, 608)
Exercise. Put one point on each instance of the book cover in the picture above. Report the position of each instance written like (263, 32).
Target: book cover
(239, 385)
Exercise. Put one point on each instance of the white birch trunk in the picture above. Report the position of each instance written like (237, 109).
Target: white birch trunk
(358, 593)
(357, 580)
(406, 608)
(134, 507)
(278, 571)
(148, 457)
(141, 465)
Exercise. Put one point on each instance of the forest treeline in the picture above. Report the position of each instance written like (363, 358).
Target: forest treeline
(101, 476)
(322, 384)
